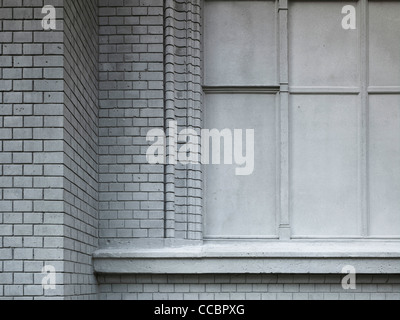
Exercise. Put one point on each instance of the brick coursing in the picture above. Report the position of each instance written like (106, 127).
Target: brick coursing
(131, 103)
(138, 92)
(80, 146)
(48, 175)
(183, 105)
(251, 287)
(31, 149)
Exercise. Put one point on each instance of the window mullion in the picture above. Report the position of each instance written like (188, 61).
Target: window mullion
(284, 205)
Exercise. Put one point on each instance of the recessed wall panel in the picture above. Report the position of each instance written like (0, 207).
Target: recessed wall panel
(384, 43)
(240, 43)
(384, 165)
(243, 206)
(324, 160)
(322, 52)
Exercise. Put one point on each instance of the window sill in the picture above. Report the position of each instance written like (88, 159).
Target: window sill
(369, 257)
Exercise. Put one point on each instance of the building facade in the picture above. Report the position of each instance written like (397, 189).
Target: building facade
(85, 215)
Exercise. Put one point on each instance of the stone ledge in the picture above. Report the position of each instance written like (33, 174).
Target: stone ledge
(253, 258)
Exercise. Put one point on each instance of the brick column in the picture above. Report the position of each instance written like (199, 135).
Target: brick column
(48, 148)
(31, 140)
(149, 75)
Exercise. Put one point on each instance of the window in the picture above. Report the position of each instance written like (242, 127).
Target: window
(241, 93)
(324, 102)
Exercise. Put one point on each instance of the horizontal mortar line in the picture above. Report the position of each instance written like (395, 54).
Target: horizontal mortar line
(324, 90)
(241, 89)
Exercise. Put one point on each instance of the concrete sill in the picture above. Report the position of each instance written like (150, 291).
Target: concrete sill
(254, 258)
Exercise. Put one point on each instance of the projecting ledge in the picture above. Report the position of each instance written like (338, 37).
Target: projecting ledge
(253, 258)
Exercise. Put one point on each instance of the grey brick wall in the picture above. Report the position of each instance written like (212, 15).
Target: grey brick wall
(131, 102)
(183, 105)
(48, 144)
(251, 287)
(146, 80)
(80, 146)
(31, 146)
